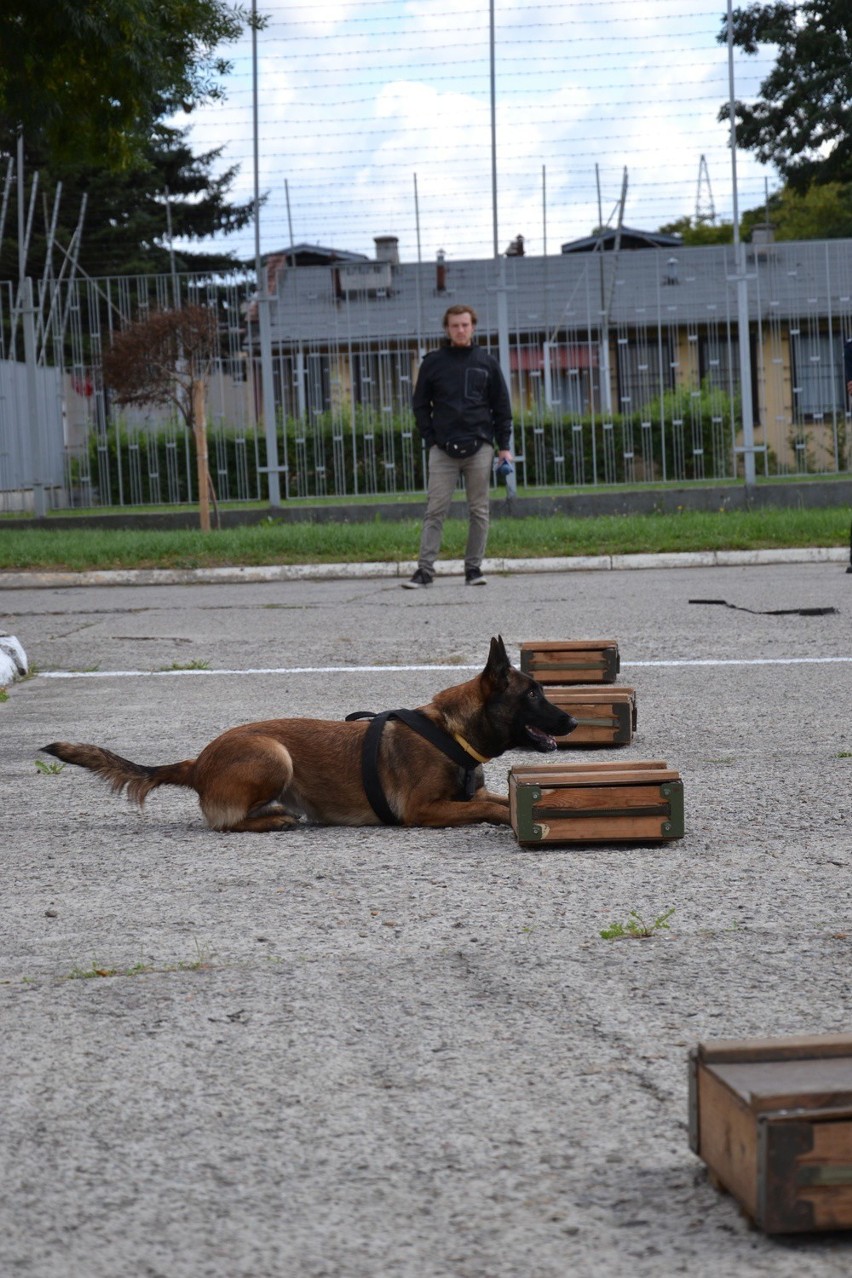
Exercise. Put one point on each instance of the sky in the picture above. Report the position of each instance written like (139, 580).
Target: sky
(375, 119)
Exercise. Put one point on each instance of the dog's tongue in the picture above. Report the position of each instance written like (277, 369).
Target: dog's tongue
(542, 741)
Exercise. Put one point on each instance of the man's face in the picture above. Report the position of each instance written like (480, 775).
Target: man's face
(460, 329)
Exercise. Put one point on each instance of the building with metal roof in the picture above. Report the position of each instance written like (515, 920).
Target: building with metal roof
(596, 339)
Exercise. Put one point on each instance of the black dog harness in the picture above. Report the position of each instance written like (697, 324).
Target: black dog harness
(454, 747)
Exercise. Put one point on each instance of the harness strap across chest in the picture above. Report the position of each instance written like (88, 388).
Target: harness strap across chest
(462, 755)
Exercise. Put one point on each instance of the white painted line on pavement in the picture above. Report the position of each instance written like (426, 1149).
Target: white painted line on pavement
(348, 670)
(740, 661)
(274, 670)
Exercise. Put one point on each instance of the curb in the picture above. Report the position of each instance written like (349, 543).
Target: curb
(449, 567)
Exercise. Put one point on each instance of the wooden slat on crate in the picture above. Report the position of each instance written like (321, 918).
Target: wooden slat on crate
(567, 661)
(772, 1119)
(605, 716)
(596, 803)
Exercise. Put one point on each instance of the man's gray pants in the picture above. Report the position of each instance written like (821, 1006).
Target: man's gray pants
(444, 474)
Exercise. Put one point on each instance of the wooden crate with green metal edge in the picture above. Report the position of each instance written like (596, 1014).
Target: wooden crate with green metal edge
(639, 802)
(605, 716)
(571, 660)
(772, 1120)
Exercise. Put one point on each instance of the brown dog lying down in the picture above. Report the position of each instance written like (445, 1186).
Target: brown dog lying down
(265, 776)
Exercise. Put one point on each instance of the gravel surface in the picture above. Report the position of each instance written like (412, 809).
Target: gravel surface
(346, 1053)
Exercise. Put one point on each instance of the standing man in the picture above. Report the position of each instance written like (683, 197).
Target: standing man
(462, 408)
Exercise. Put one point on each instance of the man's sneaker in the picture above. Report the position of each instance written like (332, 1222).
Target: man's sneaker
(420, 578)
(473, 577)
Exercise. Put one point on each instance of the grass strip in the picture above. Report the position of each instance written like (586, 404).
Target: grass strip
(386, 541)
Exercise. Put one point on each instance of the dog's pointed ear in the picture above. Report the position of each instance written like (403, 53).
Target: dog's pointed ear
(496, 672)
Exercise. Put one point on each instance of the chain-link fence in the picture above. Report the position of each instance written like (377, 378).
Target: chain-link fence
(624, 369)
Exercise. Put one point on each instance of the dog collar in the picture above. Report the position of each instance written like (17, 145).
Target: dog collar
(465, 745)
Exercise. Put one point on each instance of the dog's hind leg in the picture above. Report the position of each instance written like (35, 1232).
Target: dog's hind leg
(262, 820)
(241, 782)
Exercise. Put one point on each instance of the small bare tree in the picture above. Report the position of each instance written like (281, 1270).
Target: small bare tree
(167, 358)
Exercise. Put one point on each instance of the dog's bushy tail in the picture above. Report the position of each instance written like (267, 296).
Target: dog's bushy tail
(120, 774)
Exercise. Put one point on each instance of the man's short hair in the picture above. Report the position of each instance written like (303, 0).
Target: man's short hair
(459, 309)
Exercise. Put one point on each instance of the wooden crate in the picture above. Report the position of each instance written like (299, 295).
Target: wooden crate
(772, 1119)
(571, 660)
(638, 802)
(605, 716)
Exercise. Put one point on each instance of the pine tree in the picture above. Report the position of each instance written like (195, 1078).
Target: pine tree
(126, 221)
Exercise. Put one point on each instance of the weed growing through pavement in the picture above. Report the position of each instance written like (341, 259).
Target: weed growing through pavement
(89, 973)
(187, 665)
(201, 963)
(636, 928)
(844, 754)
(4, 696)
(49, 769)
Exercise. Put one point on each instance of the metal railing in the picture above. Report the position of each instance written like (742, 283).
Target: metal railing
(651, 395)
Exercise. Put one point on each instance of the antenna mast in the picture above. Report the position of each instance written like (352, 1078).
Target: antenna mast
(705, 209)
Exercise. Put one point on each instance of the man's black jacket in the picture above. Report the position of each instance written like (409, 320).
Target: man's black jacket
(461, 392)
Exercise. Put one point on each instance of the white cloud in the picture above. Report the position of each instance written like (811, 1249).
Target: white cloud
(355, 98)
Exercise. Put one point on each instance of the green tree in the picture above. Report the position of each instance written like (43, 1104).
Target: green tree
(127, 215)
(695, 233)
(824, 212)
(85, 80)
(802, 119)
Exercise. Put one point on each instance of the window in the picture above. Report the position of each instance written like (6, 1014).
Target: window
(644, 370)
(817, 375)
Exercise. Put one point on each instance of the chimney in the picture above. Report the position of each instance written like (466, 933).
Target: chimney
(441, 272)
(762, 233)
(387, 249)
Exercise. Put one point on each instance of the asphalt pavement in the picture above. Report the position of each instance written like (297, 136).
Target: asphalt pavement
(384, 1053)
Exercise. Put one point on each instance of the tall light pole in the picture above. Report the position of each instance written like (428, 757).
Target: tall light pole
(502, 302)
(266, 381)
(502, 294)
(491, 46)
(741, 281)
